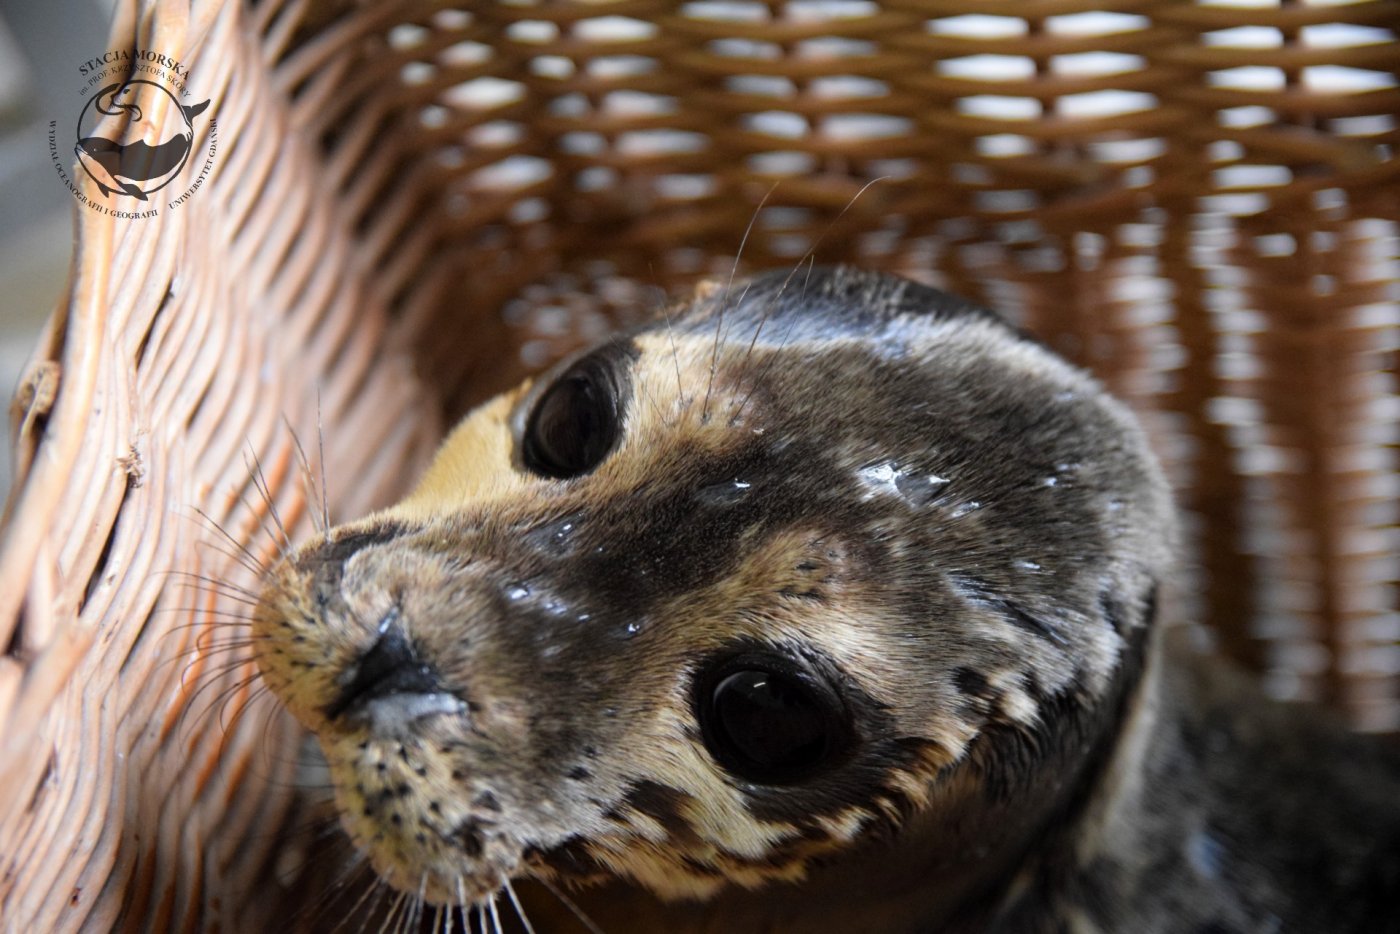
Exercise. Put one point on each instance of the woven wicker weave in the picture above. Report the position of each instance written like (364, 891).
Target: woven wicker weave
(412, 206)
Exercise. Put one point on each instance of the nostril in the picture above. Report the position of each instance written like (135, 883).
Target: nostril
(390, 667)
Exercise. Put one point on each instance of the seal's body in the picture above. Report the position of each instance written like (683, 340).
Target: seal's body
(823, 602)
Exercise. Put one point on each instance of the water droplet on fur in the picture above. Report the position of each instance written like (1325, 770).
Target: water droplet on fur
(632, 628)
(1205, 854)
(963, 509)
(879, 478)
(554, 537)
(1028, 565)
(920, 488)
(1064, 473)
(723, 494)
(517, 591)
(887, 478)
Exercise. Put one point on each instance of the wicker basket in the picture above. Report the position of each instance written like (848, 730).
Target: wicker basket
(411, 206)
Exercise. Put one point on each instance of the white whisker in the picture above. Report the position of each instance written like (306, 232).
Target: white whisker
(569, 904)
(391, 919)
(419, 903)
(724, 299)
(675, 354)
(519, 908)
(495, 916)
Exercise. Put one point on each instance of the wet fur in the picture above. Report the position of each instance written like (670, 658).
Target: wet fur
(966, 533)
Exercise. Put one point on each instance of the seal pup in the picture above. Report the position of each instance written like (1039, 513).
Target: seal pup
(825, 601)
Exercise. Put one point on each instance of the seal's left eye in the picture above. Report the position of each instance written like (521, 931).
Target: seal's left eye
(575, 423)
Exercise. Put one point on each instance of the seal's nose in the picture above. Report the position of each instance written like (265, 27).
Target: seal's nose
(390, 668)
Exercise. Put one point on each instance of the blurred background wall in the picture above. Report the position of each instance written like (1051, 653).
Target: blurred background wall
(42, 42)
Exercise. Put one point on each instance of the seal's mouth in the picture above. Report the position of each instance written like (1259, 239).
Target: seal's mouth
(396, 711)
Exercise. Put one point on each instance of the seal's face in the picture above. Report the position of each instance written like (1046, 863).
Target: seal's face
(814, 557)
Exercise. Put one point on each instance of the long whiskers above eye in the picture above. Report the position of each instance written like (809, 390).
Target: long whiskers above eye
(675, 354)
(809, 260)
(651, 399)
(763, 319)
(724, 298)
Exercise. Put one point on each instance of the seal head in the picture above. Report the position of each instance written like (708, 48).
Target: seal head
(819, 561)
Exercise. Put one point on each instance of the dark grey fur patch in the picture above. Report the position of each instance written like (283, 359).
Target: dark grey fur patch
(345, 544)
(1112, 610)
(825, 302)
(979, 592)
(1032, 623)
(662, 804)
(972, 683)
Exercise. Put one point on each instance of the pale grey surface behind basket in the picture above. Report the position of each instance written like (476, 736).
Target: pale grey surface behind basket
(41, 46)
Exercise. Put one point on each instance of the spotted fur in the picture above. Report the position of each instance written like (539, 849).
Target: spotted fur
(960, 530)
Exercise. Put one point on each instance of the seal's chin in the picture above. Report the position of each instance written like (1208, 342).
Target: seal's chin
(404, 807)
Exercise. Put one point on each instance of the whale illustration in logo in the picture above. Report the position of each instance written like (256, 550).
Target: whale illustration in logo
(134, 156)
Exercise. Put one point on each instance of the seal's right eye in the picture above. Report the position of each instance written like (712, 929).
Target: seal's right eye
(769, 721)
(575, 423)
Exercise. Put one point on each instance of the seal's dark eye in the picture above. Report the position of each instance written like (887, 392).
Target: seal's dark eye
(768, 722)
(575, 423)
